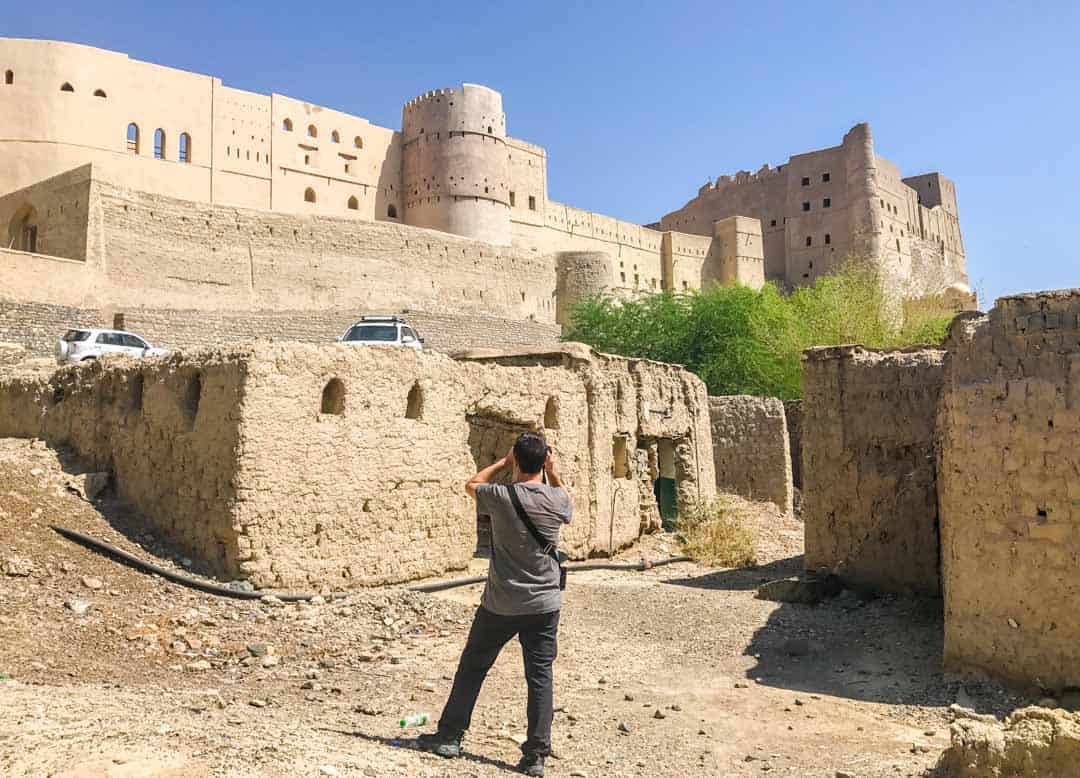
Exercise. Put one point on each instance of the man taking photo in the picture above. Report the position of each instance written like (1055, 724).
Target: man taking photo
(522, 596)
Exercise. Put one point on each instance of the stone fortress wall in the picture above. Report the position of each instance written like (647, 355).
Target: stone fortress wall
(301, 466)
(821, 207)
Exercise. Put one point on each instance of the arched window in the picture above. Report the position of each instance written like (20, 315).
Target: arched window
(358, 142)
(312, 131)
(287, 125)
(185, 147)
(9, 77)
(133, 138)
(309, 195)
(335, 137)
(391, 211)
(100, 93)
(333, 397)
(159, 143)
(66, 87)
(353, 203)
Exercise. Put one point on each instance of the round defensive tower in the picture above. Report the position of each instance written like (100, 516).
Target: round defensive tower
(578, 276)
(455, 163)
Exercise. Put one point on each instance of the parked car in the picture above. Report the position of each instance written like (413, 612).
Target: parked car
(83, 344)
(382, 331)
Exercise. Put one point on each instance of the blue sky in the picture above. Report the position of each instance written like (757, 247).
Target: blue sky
(638, 104)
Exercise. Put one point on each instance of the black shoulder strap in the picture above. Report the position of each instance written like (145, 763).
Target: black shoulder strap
(549, 548)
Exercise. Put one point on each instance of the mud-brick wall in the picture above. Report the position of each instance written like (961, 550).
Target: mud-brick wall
(1010, 491)
(869, 487)
(751, 450)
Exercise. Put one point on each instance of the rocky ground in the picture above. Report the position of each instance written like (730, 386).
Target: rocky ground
(671, 672)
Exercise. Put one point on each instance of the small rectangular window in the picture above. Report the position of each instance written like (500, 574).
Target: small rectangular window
(513, 200)
(824, 178)
(828, 238)
(806, 181)
(806, 206)
(809, 241)
(772, 223)
(826, 203)
(532, 203)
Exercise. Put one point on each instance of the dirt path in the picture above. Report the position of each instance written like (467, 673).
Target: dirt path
(156, 680)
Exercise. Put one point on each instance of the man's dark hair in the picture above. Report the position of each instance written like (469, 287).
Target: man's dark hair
(530, 452)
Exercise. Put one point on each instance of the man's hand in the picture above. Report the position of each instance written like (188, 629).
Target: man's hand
(549, 468)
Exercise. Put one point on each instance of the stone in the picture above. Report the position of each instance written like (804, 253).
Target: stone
(624, 728)
(327, 769)
(806, 591)
(259, 649)
(16, 567)
(659, 714)
(79, 607)
(257, 703)
(92, 583)
(628, 697)
(200, 666)
(271, 661)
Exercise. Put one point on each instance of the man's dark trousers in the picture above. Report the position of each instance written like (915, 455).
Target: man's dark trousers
(537, 634)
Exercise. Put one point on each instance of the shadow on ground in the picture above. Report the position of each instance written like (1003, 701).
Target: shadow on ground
(745, 578)
(410, 744)
(885, 649)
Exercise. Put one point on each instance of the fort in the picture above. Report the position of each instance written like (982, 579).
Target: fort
(199, 212)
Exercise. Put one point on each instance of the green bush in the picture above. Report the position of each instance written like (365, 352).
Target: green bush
(745, 341)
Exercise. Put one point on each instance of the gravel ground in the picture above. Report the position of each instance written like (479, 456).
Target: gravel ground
(671, 672)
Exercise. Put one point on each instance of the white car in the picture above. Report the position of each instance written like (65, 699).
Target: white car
(84, 344)
(382, 331)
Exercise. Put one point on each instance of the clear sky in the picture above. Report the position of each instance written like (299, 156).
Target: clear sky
(639, 103)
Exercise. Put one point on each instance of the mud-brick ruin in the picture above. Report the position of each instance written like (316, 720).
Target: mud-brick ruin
(297, 465)
(960, 467)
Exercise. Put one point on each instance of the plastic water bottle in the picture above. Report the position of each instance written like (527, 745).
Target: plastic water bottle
(415, 720)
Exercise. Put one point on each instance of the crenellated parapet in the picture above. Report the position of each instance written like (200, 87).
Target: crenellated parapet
(455, 163)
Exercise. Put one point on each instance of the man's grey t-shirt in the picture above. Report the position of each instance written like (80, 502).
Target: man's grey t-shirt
(522, 579)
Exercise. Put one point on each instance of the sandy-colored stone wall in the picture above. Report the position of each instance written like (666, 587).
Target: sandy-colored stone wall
(167, 430)
(55, 210)
(869, 495)
(306, 466)
(1010, 490)
(751, 449)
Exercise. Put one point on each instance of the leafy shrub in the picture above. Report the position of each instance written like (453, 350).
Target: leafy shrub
(745, 341)
(711, 532)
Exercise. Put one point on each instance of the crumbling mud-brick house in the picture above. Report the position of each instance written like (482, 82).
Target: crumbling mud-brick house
(1009, 489)
(296, 465)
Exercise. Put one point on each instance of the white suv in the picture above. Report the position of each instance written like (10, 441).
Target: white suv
(382, 331)
(81, 345)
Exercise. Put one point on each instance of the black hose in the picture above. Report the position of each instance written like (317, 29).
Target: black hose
(440, 586)
(239, 594)
(170, 575)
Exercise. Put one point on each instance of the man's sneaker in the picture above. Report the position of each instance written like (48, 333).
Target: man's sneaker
(443, 745)
(531, 764)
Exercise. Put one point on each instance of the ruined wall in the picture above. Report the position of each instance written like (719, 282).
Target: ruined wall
(869, 484)
(751, 450)
(647, 421)
(303, 466)
(167, 430)
(55, 210)
(1010, 490)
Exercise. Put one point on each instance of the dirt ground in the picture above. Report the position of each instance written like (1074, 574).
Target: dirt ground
(159, 680)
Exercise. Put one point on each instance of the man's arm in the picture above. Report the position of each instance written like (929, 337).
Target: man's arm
(489, 472)
(552, 476)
